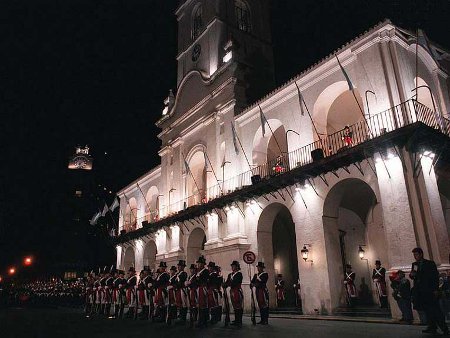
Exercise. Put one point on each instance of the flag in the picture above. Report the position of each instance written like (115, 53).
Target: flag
(233, 129)
(300, 100)
(263, 121)
(186, 166)
(422, 40)
(105, 210)
(114, 205)
(95, 218)
(349, 82)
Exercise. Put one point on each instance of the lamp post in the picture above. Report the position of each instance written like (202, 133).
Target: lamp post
(367, 100)
(305, 253)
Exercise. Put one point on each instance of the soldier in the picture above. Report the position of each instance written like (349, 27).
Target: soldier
(298, 294)
(259, 283)
(98, 292)
(220, 281)
(147, 282)
(349, 283)
(90, 294)
(280, 290)
(131, 293)
(109, 285)
(140, 294)
(171, 288)
(119, 294)
(213, 292)
(104, 277)
(379, 280)
(181, 293)
(234, 282)
(160, 285)
(191, 283)
(202, 283)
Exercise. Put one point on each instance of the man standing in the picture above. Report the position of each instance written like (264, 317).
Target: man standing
(141, 289)
(191, 283)
(298, 295)
(109, 286)
(131, 292)
(172, 307)
(234, 282)
(148, 283)
(213, 292)
(379, 280)
(161, 283)
(259, 282)
(350, 288)
(425, 275)
(280, 290)
(202, 282)
(181, 293)
(120, 295)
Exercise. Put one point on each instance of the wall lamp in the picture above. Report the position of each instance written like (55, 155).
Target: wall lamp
(305, 253)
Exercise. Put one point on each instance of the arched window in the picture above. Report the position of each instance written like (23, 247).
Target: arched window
(243, 16)
(197, 22)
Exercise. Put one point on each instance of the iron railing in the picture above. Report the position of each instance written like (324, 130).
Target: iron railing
(394, 118)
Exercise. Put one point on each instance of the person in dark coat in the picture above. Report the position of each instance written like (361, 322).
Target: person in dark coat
(425, 275)
(402, 294)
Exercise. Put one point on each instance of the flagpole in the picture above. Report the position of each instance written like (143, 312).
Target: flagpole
(148, 206)
(301, 99)
(240, 144)
(110, 214)
(265, 121)
(215, 176)
(190, 173)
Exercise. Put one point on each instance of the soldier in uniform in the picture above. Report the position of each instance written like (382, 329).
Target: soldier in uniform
(98, 292)
(90, 294)
(160, 285)
(220, 281)
(280, 290)
(147, 284)
(259, 283)
(171, 292)
(213, 292)
(234, 282)
(202, 290)
(104, 277)
(379, 280)
(119, 294)
(191, 283)
(131, 293)
(298, 294)
(181, 293)
(349, 283)
(140, 294)
(109, 285)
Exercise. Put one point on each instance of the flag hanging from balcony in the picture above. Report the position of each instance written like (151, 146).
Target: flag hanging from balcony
(263, 121)
(347, 78)
(186, 166)
(300, 100)
(95, 218)
(105, 210)
(114, 205)
(235, 140)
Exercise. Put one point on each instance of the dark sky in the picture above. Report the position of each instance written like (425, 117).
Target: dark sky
(96, 72)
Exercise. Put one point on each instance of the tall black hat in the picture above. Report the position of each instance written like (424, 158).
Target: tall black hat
(181, 262)
(120, 272)
(348, 266)
(236, 264)
(378, 262)
(173, 268)
(162, 264)
(147, 268)
(131, 269)
(201, 259)
(193, 266)
(211, 264)
(260, 265)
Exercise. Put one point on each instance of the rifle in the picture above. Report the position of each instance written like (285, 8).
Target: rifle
(253, 306)
(226, 302)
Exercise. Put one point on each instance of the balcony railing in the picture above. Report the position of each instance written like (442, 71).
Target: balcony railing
(402, 115)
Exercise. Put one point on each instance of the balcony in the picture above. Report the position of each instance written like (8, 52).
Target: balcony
(409, 124)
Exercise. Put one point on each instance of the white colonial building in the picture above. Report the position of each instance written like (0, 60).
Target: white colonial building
(294, 183)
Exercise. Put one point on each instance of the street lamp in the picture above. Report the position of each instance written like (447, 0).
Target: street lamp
(12, 271)
(361, 253)
(305, 252)
(28, 261)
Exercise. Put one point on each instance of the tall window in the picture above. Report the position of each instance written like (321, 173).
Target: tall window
(197, 22)
(243, 16)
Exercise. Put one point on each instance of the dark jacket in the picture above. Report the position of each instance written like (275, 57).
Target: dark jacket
(426, 276)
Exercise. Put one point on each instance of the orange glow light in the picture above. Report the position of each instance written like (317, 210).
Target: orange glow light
(12, 271)
(28, 261)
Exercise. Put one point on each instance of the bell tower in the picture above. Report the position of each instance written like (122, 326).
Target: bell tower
(227, 36)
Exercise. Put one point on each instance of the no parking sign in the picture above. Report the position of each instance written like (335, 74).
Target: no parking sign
(249, 257)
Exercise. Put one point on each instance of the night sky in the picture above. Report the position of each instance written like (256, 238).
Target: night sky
(97, 72)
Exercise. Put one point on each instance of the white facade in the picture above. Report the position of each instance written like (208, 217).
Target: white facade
(388, 202)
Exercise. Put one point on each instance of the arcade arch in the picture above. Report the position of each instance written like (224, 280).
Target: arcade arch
(195, 245)
(130, 215)
(150, 252)
(196, 179)
(152, 207)
(129, 258)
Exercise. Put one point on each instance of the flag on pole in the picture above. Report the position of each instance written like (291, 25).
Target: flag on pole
(347, 78)
(114, 205)
(300, 100)
(186, 165)
(105, 210)
(263, 121)
(233, 129)
(95, 218)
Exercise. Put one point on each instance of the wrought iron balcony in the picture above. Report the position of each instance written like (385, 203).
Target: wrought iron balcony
(410, 124)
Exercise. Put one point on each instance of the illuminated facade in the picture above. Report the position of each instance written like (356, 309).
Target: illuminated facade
(294, 184)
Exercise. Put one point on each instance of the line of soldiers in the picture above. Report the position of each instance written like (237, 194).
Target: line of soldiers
(165, 296)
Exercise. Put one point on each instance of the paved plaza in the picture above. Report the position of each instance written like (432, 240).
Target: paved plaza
(46, 323)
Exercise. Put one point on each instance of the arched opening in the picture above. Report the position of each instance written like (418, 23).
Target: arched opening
(423, 93)
(277, 248)
(196, 179)
(196, 244)
(129, 258)
(444, 192)
(197, 21)
(335, 108)
(130, 215)
(152, 207)
(352, 218)
(150, 252)
(243, 19)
